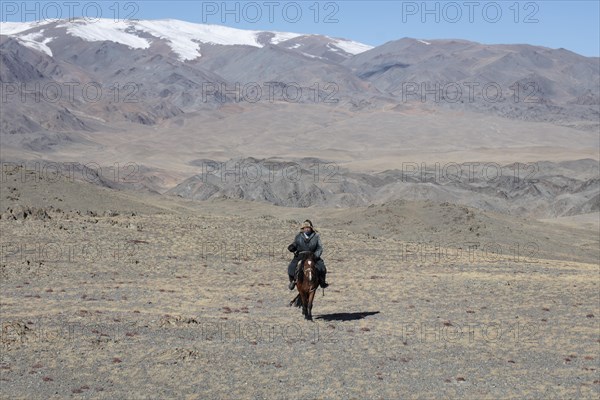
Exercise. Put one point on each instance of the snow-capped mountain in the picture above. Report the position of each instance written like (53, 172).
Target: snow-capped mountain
(162, 66)
(151, 72)
(185, 39)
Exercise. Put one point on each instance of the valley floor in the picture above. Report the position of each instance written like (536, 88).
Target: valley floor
(166, 298)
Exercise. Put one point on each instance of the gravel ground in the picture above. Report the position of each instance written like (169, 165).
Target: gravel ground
(121, 296)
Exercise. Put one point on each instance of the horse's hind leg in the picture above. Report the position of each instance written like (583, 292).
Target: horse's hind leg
(294, 302)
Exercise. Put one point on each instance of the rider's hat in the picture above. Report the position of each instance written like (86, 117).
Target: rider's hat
(307, 224)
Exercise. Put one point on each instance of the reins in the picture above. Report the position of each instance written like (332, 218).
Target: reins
(314, 268)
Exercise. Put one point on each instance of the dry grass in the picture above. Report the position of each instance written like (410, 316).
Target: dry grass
(181, 300)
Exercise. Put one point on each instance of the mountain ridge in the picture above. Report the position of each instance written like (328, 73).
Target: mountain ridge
(300, 97)
(172, 63)
(183, 37)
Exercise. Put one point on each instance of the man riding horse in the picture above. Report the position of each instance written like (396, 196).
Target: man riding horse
(307, 240)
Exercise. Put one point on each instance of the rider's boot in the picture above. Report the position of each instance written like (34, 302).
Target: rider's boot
(322, 282)
(292, 282)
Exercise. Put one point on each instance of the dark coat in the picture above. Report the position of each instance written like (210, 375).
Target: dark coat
(313, 244)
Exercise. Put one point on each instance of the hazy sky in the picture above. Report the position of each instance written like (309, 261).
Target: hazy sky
(574, 25)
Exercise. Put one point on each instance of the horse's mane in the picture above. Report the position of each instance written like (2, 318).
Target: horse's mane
(306, 255)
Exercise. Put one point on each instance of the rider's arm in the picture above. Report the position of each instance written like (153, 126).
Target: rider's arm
(295, 246)
(319, 249)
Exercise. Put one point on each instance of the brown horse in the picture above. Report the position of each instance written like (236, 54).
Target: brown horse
(307, 283)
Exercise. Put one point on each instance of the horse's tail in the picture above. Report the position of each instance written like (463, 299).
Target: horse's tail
(296, 301)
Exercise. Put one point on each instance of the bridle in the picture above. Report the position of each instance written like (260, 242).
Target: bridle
(309, 271)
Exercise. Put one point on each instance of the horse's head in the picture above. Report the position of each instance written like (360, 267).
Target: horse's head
(309, 261)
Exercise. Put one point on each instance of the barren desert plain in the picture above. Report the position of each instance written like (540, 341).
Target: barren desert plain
(111, 294)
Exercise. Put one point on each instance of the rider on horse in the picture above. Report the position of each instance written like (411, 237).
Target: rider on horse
(307, 240)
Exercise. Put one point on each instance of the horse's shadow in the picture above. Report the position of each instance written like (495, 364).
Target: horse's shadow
(346, 316)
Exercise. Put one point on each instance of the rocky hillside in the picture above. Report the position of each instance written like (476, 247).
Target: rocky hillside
(541, 190)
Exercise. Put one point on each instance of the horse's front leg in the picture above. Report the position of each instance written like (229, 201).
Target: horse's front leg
(311, 297)
(303, 299)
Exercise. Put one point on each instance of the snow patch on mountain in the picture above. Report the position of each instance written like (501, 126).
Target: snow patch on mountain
(184, 38)
(106, 29)
(37, 41)
(351, 47)
(12, 28)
